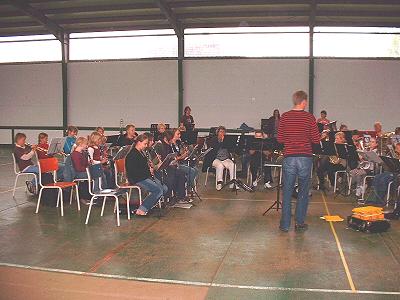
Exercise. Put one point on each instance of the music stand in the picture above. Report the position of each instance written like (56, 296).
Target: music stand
(189, 137)
(56, 146)
(231, 143)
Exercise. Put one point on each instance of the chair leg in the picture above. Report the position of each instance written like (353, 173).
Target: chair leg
(128, 209)
(350, 182)
(38, 201)
(77, 197)
(334, 185)
(90, 208)
(36, 182)
(58, 200)
(140, 196)
(62, 203)
(102, 207)
(116, 203)
(205, 181)
(70, 196)
(15, 185)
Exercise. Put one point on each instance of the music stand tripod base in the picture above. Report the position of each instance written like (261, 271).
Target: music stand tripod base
(277, 204)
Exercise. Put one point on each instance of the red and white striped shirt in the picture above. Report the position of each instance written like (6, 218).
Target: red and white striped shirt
(298, 131)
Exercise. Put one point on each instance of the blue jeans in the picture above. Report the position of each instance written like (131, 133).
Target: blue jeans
(155, 190)
(191, 174)
(295, 167)
(32, 169)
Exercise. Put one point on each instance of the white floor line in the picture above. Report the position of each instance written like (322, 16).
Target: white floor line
(10, 190)
(266, 200)
(6, 164)
(198, 283)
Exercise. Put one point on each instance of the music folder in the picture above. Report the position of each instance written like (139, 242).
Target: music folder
(56, 146)
(167, 161)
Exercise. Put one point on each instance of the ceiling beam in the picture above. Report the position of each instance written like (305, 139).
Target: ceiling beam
(38, 16)
(171, 17)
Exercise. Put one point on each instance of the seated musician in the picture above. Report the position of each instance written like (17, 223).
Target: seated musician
(378, 129)
(183, 152)
(323, 119)
(100, 130)
(343, 127)
(358, 174)
(72, 133)
(332, 163)
(23, 157)
(140, 173)
(161, 128)
(172, 176)
(129, 137)
(42, 150)
(187, 120)
(220, 158)
(255, 163)
(96, 156)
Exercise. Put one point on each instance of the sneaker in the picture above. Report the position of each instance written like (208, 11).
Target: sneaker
(267, 185)
(255, 183)
(84, 201)
(29, 187)
(219, 186)
(182, 205)
(283, 229)
(301, 227)
(359, 191)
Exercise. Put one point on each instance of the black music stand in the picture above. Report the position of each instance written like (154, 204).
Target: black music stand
(232, 145)
(278, 202)
(189, 137)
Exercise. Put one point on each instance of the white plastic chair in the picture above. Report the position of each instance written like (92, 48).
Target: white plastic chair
(19, 173)
(106, 193)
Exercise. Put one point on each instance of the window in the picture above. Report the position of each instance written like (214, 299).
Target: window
(357, 42)
(247, 42)
(123, 45)
(29, 49)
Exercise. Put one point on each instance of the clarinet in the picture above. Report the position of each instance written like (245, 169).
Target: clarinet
(149, 163)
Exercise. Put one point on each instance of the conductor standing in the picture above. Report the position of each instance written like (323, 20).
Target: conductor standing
(297, 131)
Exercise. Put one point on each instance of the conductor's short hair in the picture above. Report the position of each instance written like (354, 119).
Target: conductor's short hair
(299, 97)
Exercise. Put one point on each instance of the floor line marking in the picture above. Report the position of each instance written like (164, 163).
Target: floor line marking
(339, 246)
(10, 190)
(197, 283)
(6, 164)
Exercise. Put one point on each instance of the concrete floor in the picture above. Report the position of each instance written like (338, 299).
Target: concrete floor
(223, 248)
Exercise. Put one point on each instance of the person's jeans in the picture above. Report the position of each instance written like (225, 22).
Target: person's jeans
(155, 190)
(295, 167)
(191, 174)
(32, 169)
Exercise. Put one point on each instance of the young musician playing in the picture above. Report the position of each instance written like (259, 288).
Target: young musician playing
(161, 128)
(273, 124)
(177, 147)
(328, 166)
(72, 133)
(140, 173)
(187, 120)
(97, 157)
(378, 129)
(323, 119)
(23, 156)
(100, 130)
(220, 157)
(174, 177)
(129, 137)
(358, 174)
(42, 150)
(297, 131)
(79, 158)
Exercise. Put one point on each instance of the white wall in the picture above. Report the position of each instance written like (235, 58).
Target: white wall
(359, 92)
(31, 94)
(232, 91)
(139, 92)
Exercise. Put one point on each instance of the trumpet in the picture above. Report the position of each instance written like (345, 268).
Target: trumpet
(36, 147)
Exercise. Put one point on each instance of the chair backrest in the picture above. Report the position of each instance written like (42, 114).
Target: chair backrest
(119, 169)
(16, 169)
(91, 180)
(48, 165)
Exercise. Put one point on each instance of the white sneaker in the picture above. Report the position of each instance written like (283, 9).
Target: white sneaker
(267, 185)
(219, 186)
(358, 191)
(255, 183)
